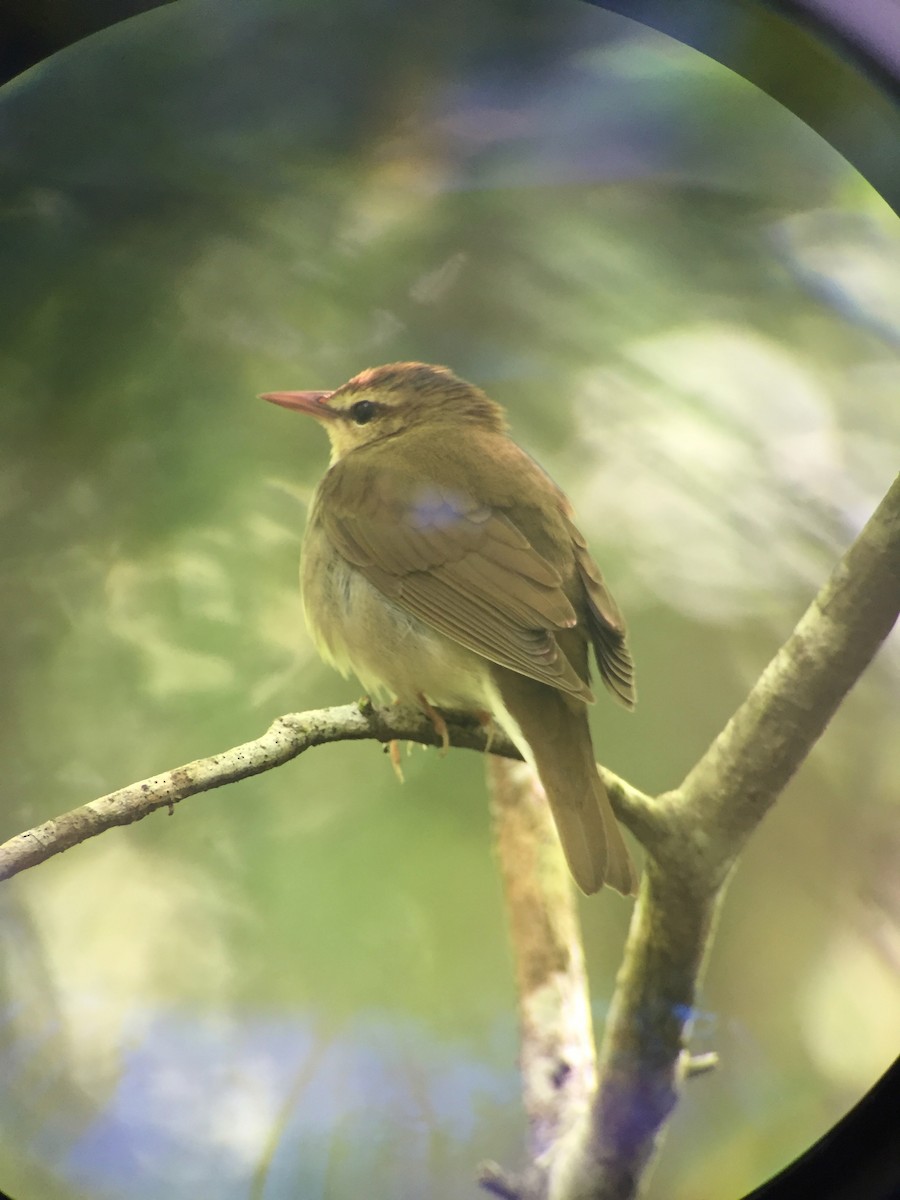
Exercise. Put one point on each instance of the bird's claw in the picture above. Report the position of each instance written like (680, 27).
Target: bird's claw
(437, 721)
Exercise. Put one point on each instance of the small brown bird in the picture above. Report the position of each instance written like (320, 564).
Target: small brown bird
(441, 564)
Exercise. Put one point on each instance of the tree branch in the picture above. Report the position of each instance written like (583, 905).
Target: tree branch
(702, 827)
(286, 738)
(558, 1058)
(745, 769)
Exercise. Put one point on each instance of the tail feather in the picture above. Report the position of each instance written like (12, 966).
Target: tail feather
(553, 734)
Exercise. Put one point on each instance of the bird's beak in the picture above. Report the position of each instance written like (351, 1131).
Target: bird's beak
(314, 403)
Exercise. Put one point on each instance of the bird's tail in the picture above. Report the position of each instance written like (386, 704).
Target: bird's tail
(553, 734)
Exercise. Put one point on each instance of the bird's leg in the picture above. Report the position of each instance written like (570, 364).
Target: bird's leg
(393, 748)
(394, 753)
(440, 725)
(486, 720)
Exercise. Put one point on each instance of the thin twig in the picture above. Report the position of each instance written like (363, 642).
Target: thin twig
(286, 738)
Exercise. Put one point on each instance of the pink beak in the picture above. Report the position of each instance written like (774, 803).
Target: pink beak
(313, 403)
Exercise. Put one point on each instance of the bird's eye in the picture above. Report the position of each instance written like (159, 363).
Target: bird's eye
(363, 411)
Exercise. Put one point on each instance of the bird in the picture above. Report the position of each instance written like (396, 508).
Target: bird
(442, 566)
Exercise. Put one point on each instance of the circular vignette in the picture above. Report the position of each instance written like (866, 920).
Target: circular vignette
(714, 27)
(855, 46)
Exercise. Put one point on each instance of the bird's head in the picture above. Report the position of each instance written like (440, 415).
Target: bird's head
(387, 401)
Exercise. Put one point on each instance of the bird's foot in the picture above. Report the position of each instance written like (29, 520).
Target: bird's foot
(440, 725)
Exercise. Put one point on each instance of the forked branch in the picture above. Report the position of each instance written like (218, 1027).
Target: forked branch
(605, 1147)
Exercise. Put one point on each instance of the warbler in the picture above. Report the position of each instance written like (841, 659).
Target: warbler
(442, 566)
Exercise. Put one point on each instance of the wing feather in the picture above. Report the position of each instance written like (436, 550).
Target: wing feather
(460, 567)
(606, 625)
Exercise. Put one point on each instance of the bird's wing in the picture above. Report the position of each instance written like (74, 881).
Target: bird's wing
(459, 566)
(605, 625)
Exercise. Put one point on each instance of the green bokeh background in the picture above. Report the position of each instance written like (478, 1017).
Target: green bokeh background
(300, 985)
